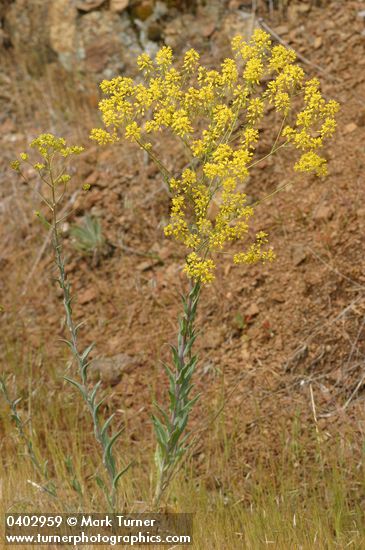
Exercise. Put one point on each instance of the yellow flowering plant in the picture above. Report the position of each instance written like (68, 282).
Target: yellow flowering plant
(51, 170)
(215, 115)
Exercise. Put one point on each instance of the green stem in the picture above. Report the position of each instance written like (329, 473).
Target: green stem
(81, 358)
(180, 405)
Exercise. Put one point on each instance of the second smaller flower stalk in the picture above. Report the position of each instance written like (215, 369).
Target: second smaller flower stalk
(50, 147)
(170, 425)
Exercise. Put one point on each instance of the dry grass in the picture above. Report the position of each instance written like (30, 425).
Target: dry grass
(309, 495)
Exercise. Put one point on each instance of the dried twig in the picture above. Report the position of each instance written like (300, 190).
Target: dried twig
(313, 407)
(360, 383)
(358, 285)
(323, 325)
(353, 347)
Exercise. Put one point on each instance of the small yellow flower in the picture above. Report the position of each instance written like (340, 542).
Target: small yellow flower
(236, 43)
(199, 269)
(222, 115)
(181, 124)
(255, 110)
(254, 71)
(164, 57)
(15, 165)
(48, 143)
(250, 137)
(311, 162)
(145, 63)
(101, 136)
(133, 132)
(191, 60)
(261, 40)
(229, 72)
(328, 128)
(64, 179)
(255, 253)
(330, 108)
(280, 57)
(282, 102)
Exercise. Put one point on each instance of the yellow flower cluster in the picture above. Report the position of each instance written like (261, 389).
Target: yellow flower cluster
(48, 145)
(215, 115)
(191, 60)
(314, 123)
(199, 269)
(255, 252)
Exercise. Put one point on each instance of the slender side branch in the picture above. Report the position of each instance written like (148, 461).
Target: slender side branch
(89, 395)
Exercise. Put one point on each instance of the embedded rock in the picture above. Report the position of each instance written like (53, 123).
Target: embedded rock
(118, 6)
(89, 5)
(62, 31)
(111, 369)
(299, 254)
(28, 38)
(93, 36)
(323, 213)
(143, 9)
(104, 37)
(108, 42)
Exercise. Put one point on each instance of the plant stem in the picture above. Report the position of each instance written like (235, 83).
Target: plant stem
(82, 357)
(172, 446)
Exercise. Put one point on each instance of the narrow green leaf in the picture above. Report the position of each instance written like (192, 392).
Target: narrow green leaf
(76, 486)
(43, 220)
(158, 459)
(87, 351)
(94, 392)
(175, 355)
(161, 433)
(164, 414)
(120, 474)
(106, 425)
(96, 409)
(168, 371)
(108, 449)
(172, 399)
(77, 385)
(174, 438)
(79, 325)
(189, 405)
(68, 343)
